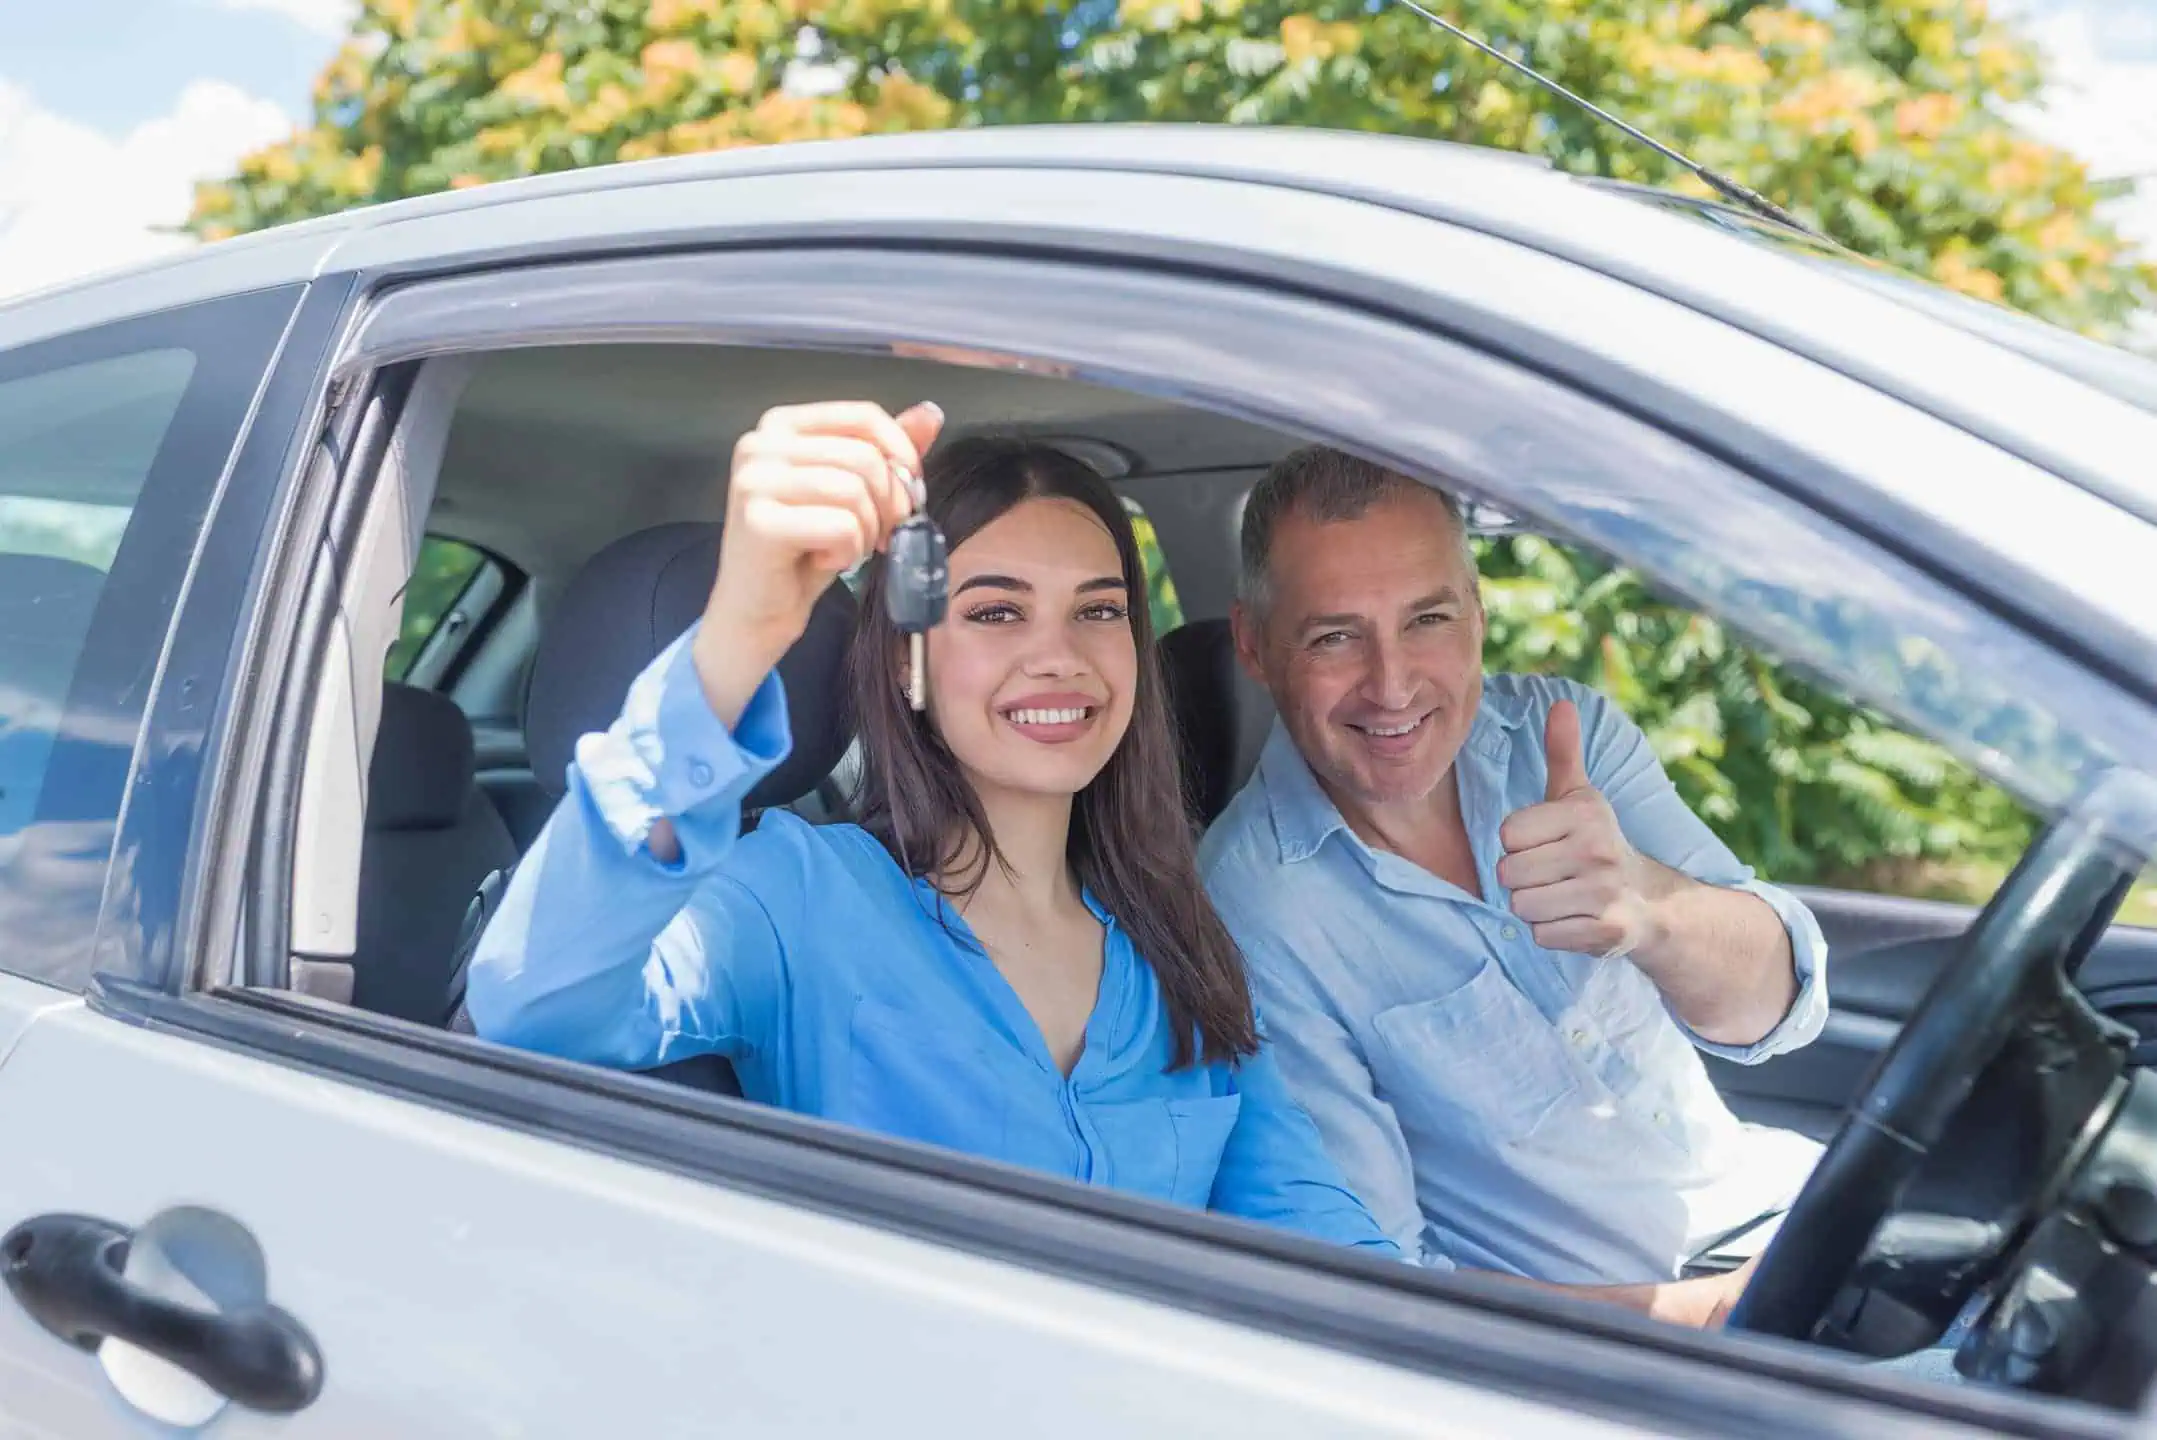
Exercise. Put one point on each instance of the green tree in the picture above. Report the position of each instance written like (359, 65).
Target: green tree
(440, 573)
(1795, 780)
(1883, 122)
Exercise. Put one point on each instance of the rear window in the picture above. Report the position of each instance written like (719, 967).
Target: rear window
(1161, 602)
(113, 442)
(76, 444)
(444, 568)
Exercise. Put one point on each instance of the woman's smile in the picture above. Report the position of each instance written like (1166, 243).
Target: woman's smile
(1052, 719)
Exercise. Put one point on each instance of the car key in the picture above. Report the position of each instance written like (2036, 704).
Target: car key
(915, 584)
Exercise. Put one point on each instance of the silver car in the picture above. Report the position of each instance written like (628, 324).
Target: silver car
(292, 641)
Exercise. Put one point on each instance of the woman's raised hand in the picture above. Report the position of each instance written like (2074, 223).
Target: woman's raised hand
(815, 490)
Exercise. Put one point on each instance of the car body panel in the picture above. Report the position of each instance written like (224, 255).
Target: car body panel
(465, 1279)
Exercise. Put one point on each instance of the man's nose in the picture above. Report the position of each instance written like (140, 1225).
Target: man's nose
(1390, 681)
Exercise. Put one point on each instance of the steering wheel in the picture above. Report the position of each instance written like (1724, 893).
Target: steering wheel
(1971, 1120)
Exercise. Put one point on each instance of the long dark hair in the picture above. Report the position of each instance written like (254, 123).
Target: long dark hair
(1129, 843)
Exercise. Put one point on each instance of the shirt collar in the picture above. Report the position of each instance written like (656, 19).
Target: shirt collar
(1304, 816)
(939, 902)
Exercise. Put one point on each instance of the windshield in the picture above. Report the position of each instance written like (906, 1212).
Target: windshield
(2118, 372)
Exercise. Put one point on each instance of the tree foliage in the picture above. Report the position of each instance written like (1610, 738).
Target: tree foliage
(1886, 123)
(1883, 121)
(1796, 780)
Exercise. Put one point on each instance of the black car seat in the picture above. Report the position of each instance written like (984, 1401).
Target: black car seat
(627, 604)
(1222, 715)
(432, 836)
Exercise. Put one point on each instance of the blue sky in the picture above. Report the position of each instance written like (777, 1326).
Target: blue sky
(114, 64)
(110, 110)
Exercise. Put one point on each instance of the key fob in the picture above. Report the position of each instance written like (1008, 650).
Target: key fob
(915, 575)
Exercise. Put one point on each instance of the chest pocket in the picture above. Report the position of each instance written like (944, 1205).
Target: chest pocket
(1167, 1149)
(1645, 1061)
(1480, 1062)
(908, 1079)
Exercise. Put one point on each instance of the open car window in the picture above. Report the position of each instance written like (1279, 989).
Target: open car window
(1800, 780)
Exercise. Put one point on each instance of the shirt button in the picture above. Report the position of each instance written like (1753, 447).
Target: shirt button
(699, 773)
(1580, 1038)
(1510, 932)
(1662, 1117)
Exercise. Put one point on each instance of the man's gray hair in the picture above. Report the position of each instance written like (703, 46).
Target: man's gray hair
(1323, 484)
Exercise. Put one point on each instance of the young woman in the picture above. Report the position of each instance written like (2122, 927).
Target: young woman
(1012, 955)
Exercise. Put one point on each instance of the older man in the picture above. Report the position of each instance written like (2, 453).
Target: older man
(1486, 936)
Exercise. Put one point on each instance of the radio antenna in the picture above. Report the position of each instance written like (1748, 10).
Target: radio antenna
(1721, 184)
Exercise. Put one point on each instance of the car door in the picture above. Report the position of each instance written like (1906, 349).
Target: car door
(115, 443)
(1885, 953)
(206, 1226)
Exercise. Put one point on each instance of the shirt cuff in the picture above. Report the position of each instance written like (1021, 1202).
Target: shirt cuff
(1807, 1016)
(668, 755)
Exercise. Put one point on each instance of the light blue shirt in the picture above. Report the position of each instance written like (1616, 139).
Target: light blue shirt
(840, 987)
(1498, 1105)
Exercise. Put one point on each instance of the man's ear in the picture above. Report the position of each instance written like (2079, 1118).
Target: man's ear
(1250, 641)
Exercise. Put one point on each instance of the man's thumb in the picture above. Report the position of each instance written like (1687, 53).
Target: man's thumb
(1561, 747)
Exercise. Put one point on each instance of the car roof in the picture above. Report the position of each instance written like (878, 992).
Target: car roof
(2015, 395)
(1367, 163)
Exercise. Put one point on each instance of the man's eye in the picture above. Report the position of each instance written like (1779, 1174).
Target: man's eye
(1331, 640)
(1434, 617)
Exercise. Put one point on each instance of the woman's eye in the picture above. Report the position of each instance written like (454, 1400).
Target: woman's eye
(999, 614)
(1108, 611)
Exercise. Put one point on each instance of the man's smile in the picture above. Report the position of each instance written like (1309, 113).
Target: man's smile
(1396, 736)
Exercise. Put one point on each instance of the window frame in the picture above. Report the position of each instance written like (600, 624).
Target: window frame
(124, 672)
(1601, 1362)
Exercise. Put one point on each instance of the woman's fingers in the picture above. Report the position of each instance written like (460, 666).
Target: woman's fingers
(857, 418)
(782, 474)
(833, 538)
(922, 423)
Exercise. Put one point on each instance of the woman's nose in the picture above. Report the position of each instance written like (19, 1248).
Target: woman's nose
(1054, 653)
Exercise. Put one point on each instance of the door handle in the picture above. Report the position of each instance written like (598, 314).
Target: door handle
(69, 1273)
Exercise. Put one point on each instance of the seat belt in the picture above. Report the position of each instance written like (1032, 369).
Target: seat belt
(485, 900)
(1699, 1263)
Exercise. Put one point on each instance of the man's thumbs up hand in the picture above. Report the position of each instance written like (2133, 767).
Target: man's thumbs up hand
(1562, 751)
(1572, 875)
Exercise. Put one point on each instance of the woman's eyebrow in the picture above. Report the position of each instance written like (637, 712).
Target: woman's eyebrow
(1012, 582)
(993, 582)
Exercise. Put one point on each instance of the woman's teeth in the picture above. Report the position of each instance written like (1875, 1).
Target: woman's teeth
(1047, 717)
